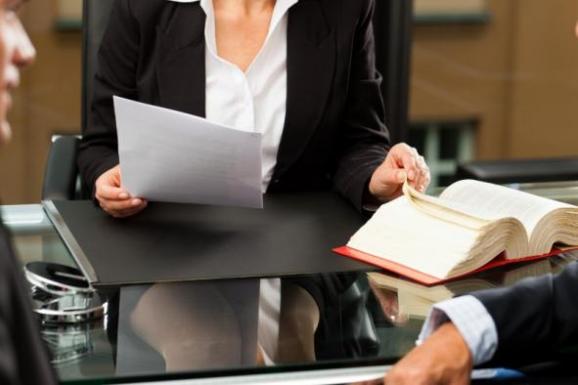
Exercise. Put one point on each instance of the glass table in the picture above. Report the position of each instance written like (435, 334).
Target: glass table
(220, 331)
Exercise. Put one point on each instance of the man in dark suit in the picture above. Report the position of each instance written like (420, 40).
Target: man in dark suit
(23, 357)
(534, 318)
(537, 316)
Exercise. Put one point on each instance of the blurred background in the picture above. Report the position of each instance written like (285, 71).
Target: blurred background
(490, 79)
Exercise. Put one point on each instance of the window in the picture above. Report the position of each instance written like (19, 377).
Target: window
(444, 145)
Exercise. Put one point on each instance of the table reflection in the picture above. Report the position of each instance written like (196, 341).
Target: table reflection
(402, 300)
(176, 327)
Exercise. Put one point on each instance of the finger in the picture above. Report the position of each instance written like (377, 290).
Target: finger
(120, 205)
(136, 209)
(409, 162)
(397, 152)
(111, 192)
(424, 177)
(420, 184)
(421, 163)
(420, 169)
(128, 212)
(393, 177)
(425, 182)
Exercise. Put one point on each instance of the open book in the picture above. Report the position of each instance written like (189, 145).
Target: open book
(471, 226)
(413, 300)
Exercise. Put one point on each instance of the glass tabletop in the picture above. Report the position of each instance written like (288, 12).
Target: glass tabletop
(250, 326)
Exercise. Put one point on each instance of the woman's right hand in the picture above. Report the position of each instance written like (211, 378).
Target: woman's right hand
(113, 199)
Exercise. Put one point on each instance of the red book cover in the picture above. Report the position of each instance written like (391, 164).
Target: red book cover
(430, 280)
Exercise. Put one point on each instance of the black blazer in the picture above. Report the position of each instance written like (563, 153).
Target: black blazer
(334, 134)
(23, 355)
(536, 317)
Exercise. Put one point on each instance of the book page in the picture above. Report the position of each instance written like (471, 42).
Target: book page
(401, 234)
(447, 211)
(490, 201)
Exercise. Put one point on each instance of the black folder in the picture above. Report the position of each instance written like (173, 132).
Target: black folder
(293, 234)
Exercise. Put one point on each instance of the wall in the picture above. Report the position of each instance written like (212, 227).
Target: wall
(543, 118)
(516, 74)
(47, 102)
(464, 70)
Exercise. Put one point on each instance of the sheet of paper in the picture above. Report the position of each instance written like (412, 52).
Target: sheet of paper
(171, 156)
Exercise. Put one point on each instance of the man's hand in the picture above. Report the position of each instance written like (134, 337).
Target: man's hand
(443, 359)
(402, 162)
(113, 199)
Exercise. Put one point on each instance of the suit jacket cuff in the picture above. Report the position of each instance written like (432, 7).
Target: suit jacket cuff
(472, 320)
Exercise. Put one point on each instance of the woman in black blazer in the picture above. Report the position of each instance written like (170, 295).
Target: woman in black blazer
(334, 134)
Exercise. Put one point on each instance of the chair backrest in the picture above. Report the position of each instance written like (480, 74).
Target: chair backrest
(61, 179)
(94, 21)
(393, 25)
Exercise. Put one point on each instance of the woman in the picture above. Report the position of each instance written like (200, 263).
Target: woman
(302, 72)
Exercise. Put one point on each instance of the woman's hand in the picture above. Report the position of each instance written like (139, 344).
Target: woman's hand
(113, 199)
(402, 162)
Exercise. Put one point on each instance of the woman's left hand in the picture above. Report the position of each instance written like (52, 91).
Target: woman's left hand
(402, 162)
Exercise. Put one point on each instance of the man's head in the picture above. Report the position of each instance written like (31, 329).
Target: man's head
(16, 51)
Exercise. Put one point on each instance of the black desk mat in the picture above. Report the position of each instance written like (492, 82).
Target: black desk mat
(292, 235)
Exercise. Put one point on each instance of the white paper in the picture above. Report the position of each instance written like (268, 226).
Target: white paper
(171, 156)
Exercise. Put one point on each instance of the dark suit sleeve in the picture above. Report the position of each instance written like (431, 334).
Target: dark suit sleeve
(116, 74)
(365, 139)
(535, 315)
(23, 356)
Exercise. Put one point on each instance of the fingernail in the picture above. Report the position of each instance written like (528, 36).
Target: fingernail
(123, 195)
(136, 202)
(411, 174)
(401, 176)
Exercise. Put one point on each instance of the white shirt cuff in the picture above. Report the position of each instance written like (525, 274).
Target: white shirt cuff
(472, 320)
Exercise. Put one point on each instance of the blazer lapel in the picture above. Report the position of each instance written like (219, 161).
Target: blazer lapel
(311, 55)
(181, 60)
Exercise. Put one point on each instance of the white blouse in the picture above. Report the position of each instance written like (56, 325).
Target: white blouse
(254, 100)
